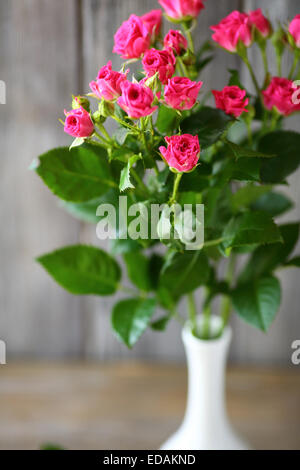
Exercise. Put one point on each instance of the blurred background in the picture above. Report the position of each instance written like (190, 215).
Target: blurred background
(48, 51)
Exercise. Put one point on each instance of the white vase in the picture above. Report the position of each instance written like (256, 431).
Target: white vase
(205, 425)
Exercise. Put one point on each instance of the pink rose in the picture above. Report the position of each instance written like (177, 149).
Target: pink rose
(294, 29)
(280, 95)
(136, 100)
(162, 62)
(182, 153)
(176, 41)
(108, 83)
(261, 23)
(152, 21)
(232, 29)
(180, 9)
(181, 93)
(78, 123)
(232, 100)
(132, 38)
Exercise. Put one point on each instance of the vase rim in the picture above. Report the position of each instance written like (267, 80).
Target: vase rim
(187, 334)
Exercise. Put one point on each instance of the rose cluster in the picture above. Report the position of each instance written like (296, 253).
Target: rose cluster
(167, 82)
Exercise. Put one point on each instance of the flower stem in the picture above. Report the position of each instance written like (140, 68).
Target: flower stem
(226, 301)
(206, 318)
(255, 82)
(294, 66)
(183, 68)
(175, 188)
(264, 57)
(192, 311)
(140, 181)
(189, 37)
(104, 132)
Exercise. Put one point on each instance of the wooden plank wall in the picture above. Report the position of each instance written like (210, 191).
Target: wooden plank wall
(49, 50)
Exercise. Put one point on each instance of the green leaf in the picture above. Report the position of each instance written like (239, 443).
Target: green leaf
(208, 123)
(119, 246)
(121, 134)
(250, 228)
(167, 120)
(257, 302)
(234, 79)
(131, 317)
(284, 144)
(242, 152)
(161, 323)
(125, 182)
(85, 211)
(138, 269)
(266, 258)
(77, 175)
(273, 203)
(293, 262)
(184, 272)
(82, 269)
(246, 195)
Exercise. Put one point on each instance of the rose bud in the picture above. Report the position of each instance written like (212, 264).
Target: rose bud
(280, 95)
(176, 41)
(182, 153)
(181, 93)
(294, 30)
(182, 9)
(232, 100)
(132, 38)
(260, 22)
(152, 21)
(233, 29)
(136, 100)
(162, 62)
(80, 101)
(78, 123)
(108, 83)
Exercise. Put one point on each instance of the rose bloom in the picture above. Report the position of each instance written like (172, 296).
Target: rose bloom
(179, 9)
(182, 153)
(78, 123)
(152, 21)
(294, 29)
(232, 100)
(176, 41)
(232, 29)
(136, 100)
(162, 62)
(279, 95)
(108, 83)
(132, 38)
(181, 93)
(261, 23)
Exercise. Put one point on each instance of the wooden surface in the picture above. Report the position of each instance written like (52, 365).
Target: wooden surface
(135, 405)
(49, 50)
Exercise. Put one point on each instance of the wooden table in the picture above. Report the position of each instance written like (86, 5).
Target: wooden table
(136, 406)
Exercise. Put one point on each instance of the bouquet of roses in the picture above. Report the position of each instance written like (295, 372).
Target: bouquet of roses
(170, 151)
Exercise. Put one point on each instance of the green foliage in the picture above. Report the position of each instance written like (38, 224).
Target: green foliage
(208, 123)
(77, 175)
(184, 272)
(257, 302)
(131, 317)
(284, 144)
(240, 163)
(83, 270)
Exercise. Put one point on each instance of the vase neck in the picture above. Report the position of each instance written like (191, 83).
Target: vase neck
(206, 363)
